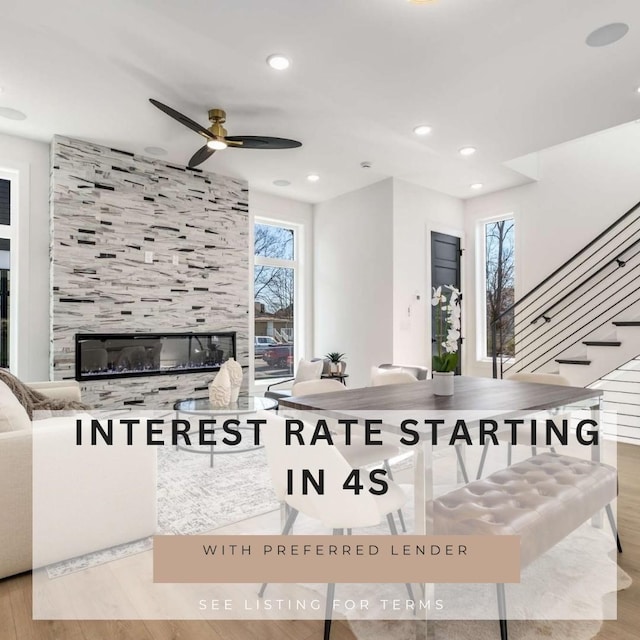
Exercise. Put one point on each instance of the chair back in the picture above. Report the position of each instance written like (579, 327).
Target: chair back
(337, 508)
(381, 377)
(541, 378)
(418, 372)
(316, 386)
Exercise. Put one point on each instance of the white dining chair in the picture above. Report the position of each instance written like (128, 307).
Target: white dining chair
(381, 377)
(522, 432)
(418, 371)
(311, 387)
(357, 453)
(336, 509)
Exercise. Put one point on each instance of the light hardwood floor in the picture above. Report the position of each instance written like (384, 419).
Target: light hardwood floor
(16, 622)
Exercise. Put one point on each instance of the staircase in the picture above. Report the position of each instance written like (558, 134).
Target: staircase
(583, 321)
(622, 394)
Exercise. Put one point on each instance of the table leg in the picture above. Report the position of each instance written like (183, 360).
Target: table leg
(423, 525)
(596, 456)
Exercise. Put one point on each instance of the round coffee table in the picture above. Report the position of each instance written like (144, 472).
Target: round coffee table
(202, 407)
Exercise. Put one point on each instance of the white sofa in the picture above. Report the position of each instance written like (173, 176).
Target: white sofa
(70, 500)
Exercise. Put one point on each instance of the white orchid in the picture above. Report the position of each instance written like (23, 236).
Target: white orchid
(437, 297)
(448, 327)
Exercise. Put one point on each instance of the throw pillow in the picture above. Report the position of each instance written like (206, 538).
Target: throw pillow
(309, 370)
(13, 416)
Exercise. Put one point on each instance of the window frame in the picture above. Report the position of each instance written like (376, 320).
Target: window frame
(481, 281)
(10, 232)
(296, 263)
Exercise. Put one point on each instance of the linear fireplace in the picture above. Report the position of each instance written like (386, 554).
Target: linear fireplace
(100, 356)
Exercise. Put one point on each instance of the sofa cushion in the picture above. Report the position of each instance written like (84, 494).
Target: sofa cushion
(13, 416)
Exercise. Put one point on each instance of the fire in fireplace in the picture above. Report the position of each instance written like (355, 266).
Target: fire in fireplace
(101, 356)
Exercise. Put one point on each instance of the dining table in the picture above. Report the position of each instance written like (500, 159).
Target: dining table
(481, 398)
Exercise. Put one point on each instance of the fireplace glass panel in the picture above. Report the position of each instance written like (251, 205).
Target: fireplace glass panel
(100, 356)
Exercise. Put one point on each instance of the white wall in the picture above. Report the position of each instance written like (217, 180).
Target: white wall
(265, 205)
(584, 186)
(416, 213)
(29, 161)
(353, 278)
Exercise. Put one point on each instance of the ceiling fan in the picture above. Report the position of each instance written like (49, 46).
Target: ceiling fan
(217, 138)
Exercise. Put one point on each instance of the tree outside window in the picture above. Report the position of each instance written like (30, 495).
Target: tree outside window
(274, 300)
(500, 286)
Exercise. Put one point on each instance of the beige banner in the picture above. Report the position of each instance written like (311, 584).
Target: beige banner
(356, 559)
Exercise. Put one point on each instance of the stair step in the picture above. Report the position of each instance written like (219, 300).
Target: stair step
(627, 323)
(583, 361)
(601, 343)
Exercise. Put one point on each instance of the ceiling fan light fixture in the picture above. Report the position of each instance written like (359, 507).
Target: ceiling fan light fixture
(217, 145)
(278, 62)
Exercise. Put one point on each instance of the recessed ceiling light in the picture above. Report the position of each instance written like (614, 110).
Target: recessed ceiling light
(281, 183)
(638, 90)
(217, 145)
(313, 177)
(278, 62)
(607, 35)
(477, 185)
(156, 151)
(422, 1)
(467, 151)
(12, 114)
(422, 130)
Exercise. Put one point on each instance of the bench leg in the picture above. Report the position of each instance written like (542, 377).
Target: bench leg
(612, 522)
(502, 611)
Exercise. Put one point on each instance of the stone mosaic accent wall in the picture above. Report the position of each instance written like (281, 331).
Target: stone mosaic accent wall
(109, 208)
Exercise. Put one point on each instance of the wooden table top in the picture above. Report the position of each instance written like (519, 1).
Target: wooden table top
(470, 394)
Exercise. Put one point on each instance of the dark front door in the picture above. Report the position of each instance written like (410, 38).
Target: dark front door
(445, 270)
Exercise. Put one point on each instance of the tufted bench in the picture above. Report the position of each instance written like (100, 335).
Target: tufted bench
(542, 500)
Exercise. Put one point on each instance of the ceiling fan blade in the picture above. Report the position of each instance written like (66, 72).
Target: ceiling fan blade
(181, 118)
(200, 156)
(264, 142)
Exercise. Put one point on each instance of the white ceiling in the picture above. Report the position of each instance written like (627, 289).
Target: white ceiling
(509, 77)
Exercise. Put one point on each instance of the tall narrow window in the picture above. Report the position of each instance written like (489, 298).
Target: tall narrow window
(5, 269)
(499, 290)
(274, 290)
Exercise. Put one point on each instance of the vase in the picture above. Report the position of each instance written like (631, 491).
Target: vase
(220, 390)
(235, 378)
(443, 383)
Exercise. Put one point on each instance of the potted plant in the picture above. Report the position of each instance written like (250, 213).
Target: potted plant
(338, 364)
(447, 333)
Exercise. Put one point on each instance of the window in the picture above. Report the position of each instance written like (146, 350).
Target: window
(498, 238)
(5, 268)
(274, 289)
